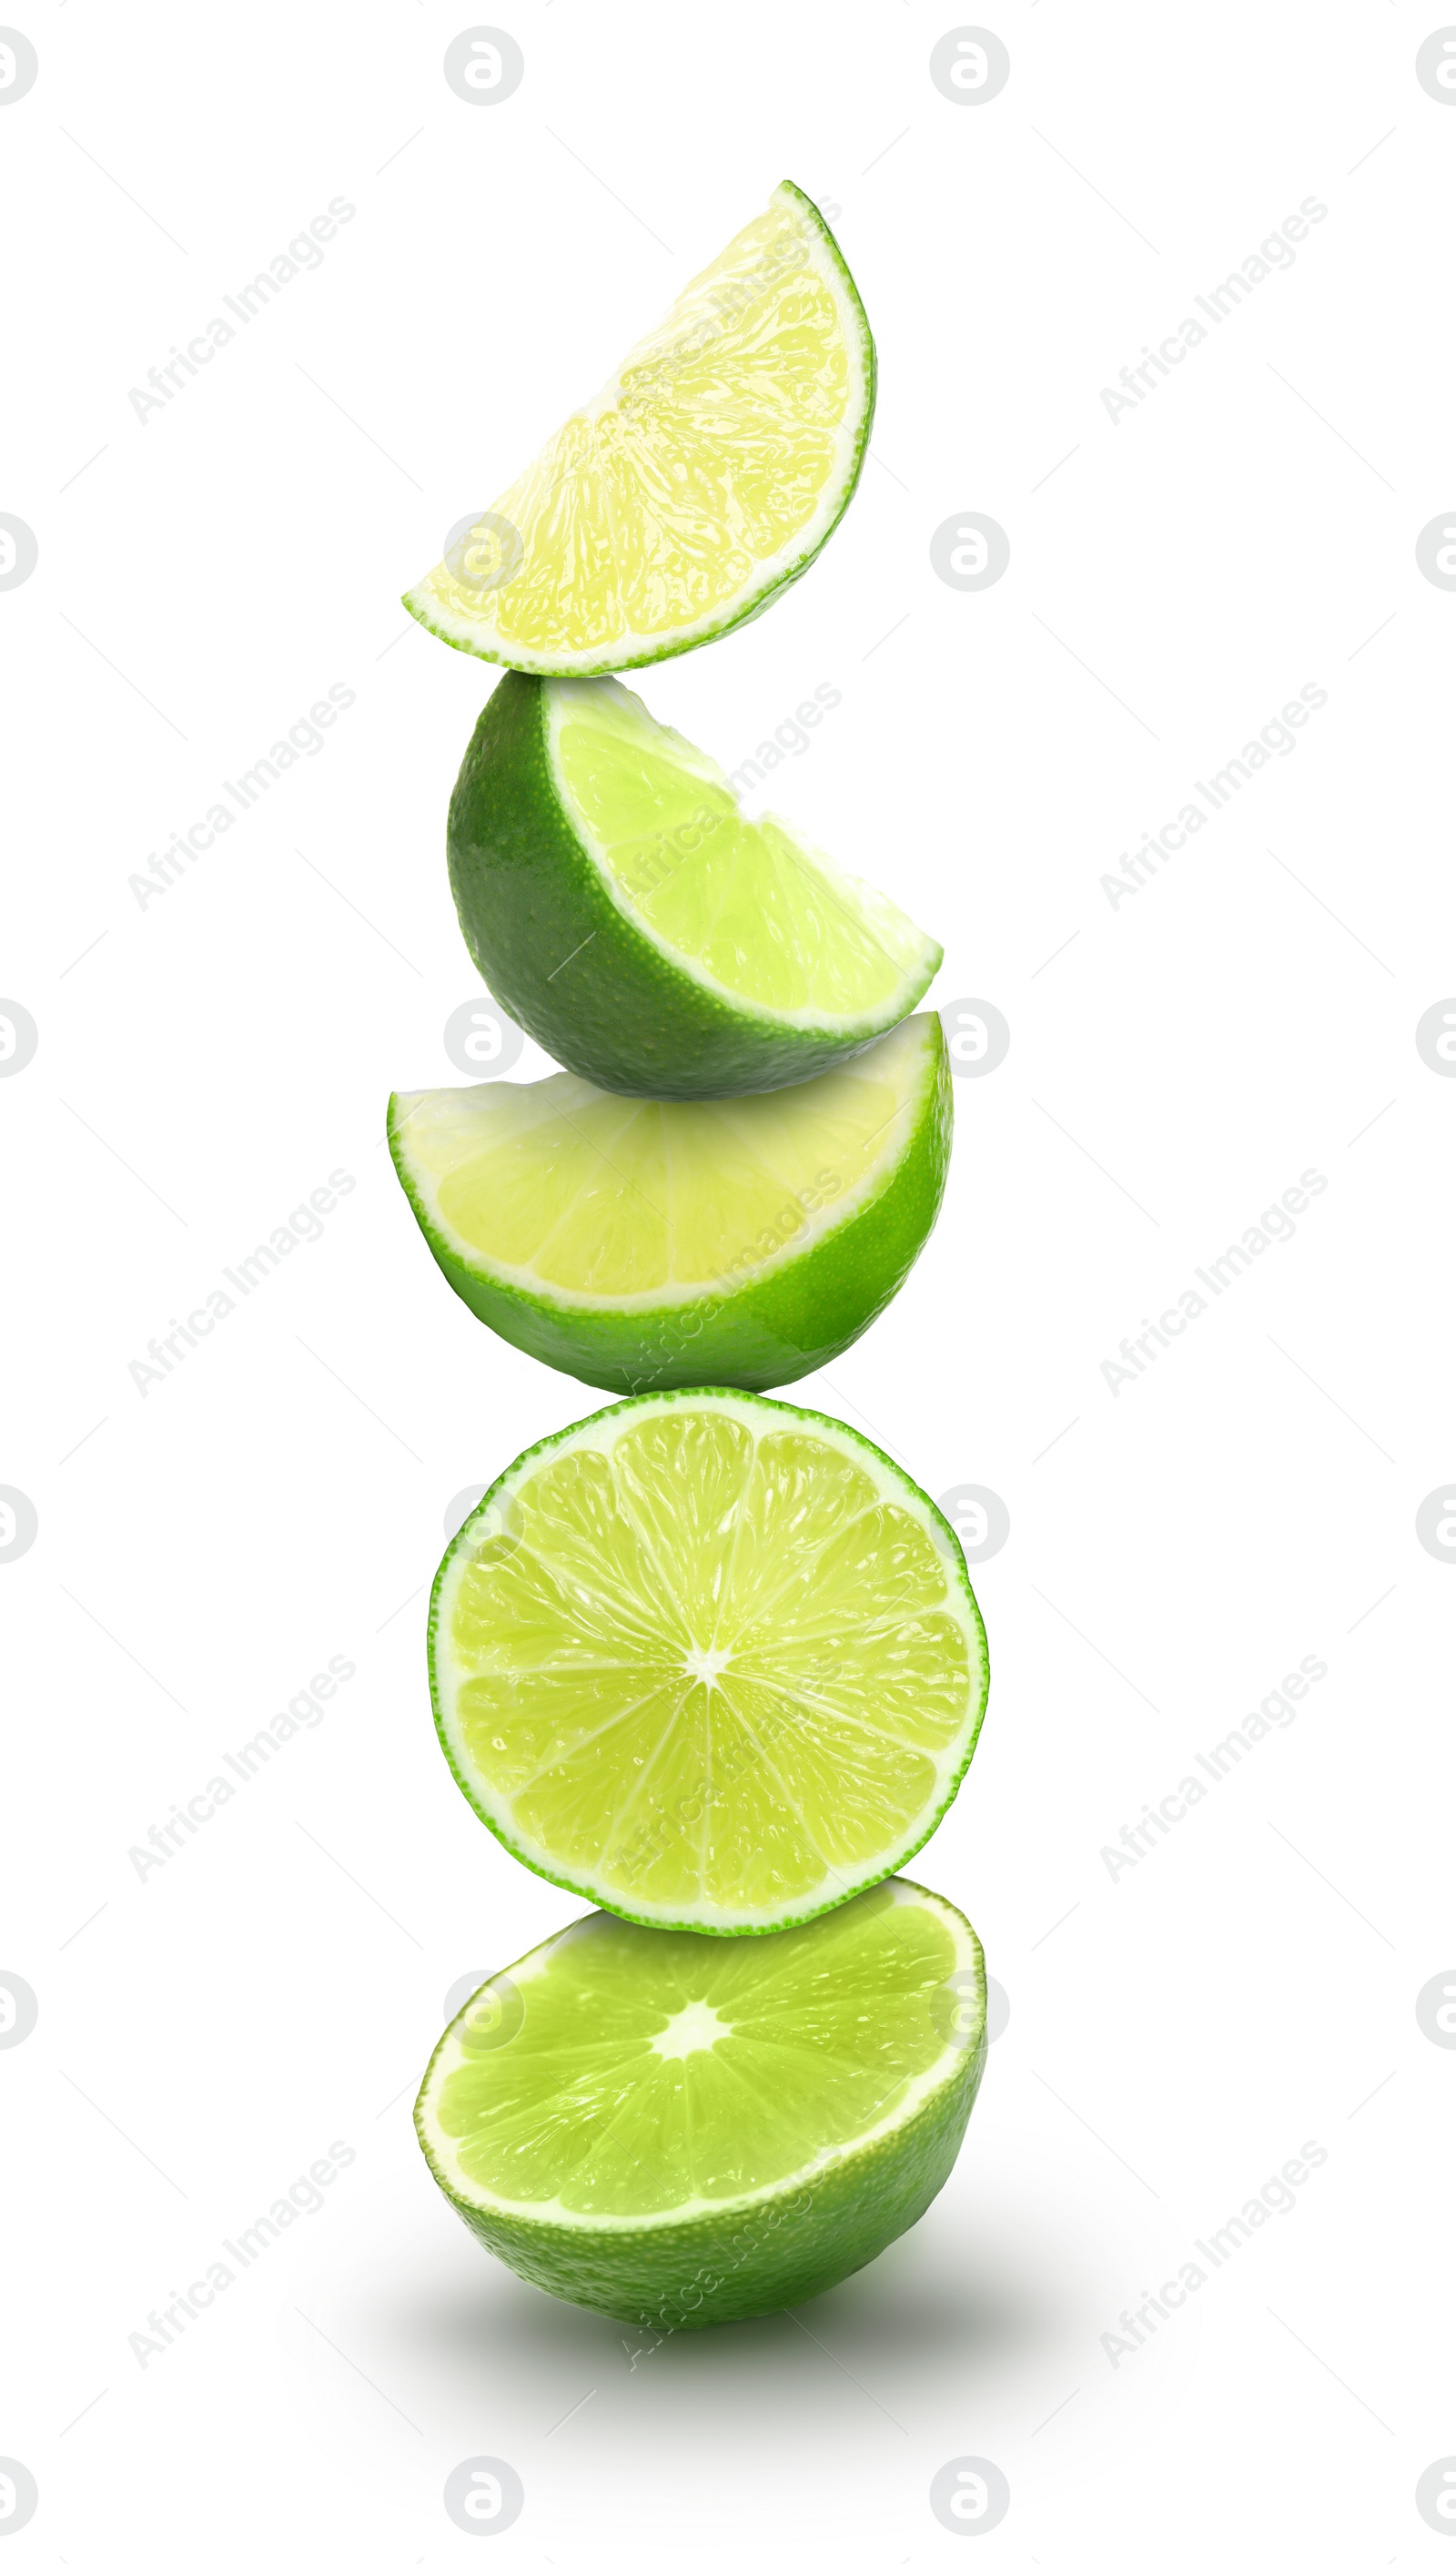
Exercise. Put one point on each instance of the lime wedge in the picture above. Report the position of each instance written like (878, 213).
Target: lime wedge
(703, 477)
(652, 937)
(684, 2131)
(712, 1661)
(642, 1245)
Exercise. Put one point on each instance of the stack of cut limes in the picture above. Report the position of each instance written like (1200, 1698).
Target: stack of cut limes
(710, 1661)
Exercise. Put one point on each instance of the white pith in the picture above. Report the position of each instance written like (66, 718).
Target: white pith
(964, 1955)
(690, 2030)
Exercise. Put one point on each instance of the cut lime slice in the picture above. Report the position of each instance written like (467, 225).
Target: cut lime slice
(712, 1661)
(705, 476)
(642, 1245)
(684, 2131)
(651, 936)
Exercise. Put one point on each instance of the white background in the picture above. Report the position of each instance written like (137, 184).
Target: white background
(1177, 1062)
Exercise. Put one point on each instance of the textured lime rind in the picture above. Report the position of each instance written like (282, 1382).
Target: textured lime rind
(752, 600)
(756, 1333)
(580, 1883)
(568, 962)
(753, 2257)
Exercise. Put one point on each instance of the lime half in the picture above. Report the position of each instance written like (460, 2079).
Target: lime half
(642, 1245)
(712, 1661)
(703, 477)
(684, 2131)
(648, 934)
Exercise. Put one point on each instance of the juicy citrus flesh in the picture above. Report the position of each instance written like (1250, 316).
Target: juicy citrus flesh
(746, 903)
(626, 2075)
(722, 448)
(710, 1660)
(605, 1198)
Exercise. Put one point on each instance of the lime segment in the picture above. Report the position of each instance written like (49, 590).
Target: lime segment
(642, 1245)
(703, 477)
(650, 936)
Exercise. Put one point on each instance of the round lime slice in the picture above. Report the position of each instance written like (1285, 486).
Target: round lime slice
(712, 1661)
(682, 2131)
